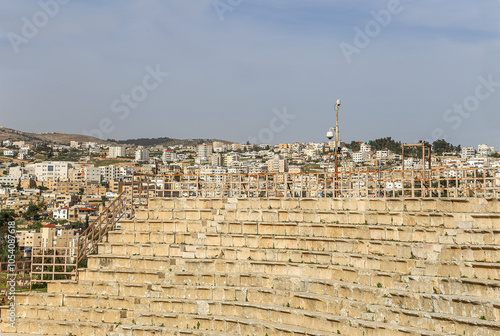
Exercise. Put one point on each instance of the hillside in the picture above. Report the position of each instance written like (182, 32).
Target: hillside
(55, 137)
(165, 141)
(64, 138)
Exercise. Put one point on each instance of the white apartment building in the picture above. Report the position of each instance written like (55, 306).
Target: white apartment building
(142, 155)
(51, 169)
(219, 147)
(115, 152)
(74, 144)
(467, 152)
(9, 181)
(204, 151)
(364, 147)
(277, 165)
(109, 173)
(216, 159)
(383, 153)
(230, 158)
(24, 150)
(359, 157)
(61, 213)
(168, 156)
(91, 173)
(113, 172)
(485, 150)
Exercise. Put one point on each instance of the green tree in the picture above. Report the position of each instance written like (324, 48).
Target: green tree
(6, 215)
(441, 146)
(354, 146)
(387, 142)
(33, 211)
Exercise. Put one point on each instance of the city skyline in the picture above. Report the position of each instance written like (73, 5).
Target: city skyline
(242, 70)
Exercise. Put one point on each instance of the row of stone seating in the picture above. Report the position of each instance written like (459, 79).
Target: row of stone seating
(462, 234)
(415, 250)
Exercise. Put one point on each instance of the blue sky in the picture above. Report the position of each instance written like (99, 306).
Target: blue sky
(226, 78)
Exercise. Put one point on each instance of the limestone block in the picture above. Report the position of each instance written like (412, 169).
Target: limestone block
(273, 203)
(486, 221)
(311, 217)
(241, 215)
(337, 204)
(141, 214)
(193, 215)
(178, 214)
(249, 228)
(243, 204)
(254, 215)
(238, 240)
(352, 204)
(289, 204)
(295, 216)
(270, 216)
(165, 214)
(428, 205)
(233, 206)
(266, 229)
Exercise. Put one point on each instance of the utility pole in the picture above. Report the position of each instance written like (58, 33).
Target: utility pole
(330, 135)
(337, 143)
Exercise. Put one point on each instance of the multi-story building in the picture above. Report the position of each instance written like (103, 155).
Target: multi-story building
(56, 236)
(61, 213)
(219, 147)
(360, 157)
(25, 150)
(113, 172)
(365, 147)
(85, 173)
(216, 159)
(485, 150)
(52, 169)
(47, 234)
(283, 146)
(115, 152)
(74, 144)
(467, 152)
(109, 173)
(141, 155)
(235, 146)
(383, 153)
(168, 156)
(95, 189)
(204, 150)
(9, 181)
(230, 158)
(277, 164)
(116, 187)
(29, 239)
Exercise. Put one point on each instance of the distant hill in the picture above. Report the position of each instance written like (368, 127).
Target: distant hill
(165, 141)
(64, 139)
(55, 137)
